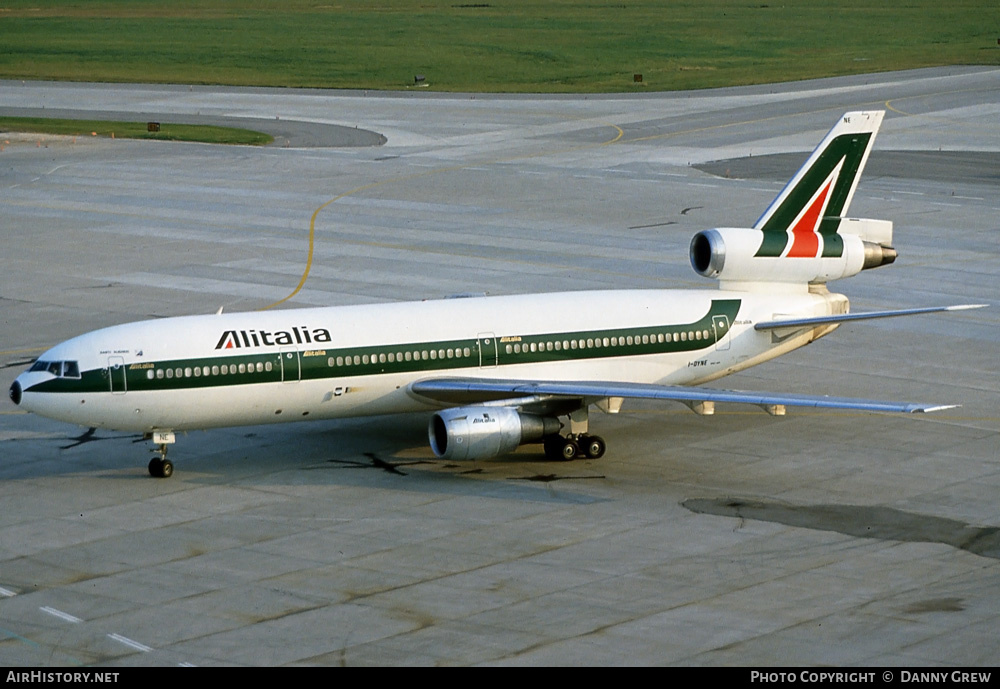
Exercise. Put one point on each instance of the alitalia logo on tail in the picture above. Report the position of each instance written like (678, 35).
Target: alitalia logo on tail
(238, 339)
(806, 241)
(803, 221)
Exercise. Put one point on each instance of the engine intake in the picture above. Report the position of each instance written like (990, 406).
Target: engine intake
(485, 432)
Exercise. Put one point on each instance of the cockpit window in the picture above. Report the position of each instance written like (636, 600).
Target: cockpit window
(61, 369)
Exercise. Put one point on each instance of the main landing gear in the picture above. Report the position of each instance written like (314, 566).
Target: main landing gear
(560, 448)
(161, 467)
(578, 443)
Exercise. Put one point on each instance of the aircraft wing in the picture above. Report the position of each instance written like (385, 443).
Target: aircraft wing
(846, 317)
(517, 392)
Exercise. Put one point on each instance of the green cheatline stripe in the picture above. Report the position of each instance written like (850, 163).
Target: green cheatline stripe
(850, 147)
(315, 364)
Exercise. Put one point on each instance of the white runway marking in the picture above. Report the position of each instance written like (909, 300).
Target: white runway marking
(130, 643)
(61, 615)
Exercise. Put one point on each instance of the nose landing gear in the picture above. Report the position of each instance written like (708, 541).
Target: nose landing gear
(161, 467)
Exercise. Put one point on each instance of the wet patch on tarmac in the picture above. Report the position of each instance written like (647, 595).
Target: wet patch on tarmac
(937, 605)
(90, 436)
(975, 167)
(881, 523)
(375, 462)
(549, 478)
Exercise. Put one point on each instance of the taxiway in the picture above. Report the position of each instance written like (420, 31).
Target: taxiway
(739, 539)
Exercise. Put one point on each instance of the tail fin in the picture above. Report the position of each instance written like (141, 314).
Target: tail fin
(802, 222)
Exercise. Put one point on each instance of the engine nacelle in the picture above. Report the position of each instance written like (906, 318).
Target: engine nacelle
(731, 255)
(485, 432)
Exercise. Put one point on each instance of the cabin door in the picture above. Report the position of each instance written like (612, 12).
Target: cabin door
(291, 365)
(116, 374)
(720, 324)
(487, 350)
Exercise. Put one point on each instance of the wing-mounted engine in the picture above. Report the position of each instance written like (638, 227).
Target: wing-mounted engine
(748, 255)
(485, 432)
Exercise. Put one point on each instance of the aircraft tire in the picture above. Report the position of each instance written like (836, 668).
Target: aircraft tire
(553, 448)
(594, 446)
(156, 467)
(568, 449)
(167, 469)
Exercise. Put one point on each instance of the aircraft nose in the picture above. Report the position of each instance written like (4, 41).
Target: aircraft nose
(15, 393)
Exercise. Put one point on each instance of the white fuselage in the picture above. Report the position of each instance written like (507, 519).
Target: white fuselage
(264, 367)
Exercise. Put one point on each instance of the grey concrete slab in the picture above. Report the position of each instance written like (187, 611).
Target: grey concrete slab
(743, 539)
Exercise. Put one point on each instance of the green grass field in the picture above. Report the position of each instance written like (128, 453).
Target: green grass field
(497, 46)
(135, 130)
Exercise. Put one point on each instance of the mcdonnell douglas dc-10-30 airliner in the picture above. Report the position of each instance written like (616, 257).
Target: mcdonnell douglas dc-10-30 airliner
(500, 371)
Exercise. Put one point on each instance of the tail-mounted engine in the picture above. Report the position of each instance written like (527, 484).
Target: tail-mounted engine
(485, 432)
(748, 256)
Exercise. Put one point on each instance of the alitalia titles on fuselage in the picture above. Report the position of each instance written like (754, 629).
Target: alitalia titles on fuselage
(237, 339)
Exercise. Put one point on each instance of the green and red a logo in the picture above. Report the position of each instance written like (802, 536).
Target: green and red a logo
(802, 222)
